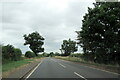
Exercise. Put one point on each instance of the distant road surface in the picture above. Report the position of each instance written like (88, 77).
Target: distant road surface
(56, 68)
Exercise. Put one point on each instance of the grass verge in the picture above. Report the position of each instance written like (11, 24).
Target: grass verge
(15, 64)
(108, 67)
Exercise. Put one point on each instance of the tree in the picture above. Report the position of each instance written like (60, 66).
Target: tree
(44, 54)
(51, 54)
(57, 54)
(18, 53)
(100, 34)
(68, 47)
(29, 54)
(35, 42)
(8, 52)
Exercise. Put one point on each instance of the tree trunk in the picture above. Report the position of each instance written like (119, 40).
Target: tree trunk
(36, 54)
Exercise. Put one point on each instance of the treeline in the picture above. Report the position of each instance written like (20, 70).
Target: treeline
(10, 53)
(30, 54)
(100, 34)
(51, 54)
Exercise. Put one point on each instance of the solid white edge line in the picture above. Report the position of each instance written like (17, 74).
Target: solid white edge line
(62, 65)
(33, 70)
(79, 75)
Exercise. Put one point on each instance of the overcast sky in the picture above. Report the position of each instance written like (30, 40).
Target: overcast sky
(55, 20)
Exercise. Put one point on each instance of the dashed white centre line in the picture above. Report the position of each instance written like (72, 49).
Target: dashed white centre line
(62, 65)
(79, 75)
(53, 60)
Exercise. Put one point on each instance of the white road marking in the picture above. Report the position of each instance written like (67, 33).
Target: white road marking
(33, 70)
(95, 68)
(53, 60)
(79, 75)
(62, 65)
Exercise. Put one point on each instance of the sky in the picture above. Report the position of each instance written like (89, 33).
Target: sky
(55, 20)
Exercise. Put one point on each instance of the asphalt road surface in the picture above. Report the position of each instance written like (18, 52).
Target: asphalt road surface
(56, 68)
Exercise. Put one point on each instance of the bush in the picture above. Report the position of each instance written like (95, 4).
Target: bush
(29, 54)
(18, 53)
(9, 53)
(76, 55)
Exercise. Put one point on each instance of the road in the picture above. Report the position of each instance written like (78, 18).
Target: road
(56, 68)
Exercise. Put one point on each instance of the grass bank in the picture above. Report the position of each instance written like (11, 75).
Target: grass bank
(108, 67)
(15, 64)
(9, 65)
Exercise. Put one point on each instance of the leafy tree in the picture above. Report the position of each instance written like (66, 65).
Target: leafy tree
(100, 34)
(18, 53)
(44, 54)
(35, 42)
(51, 54)
(29, 54)
(68, 47)
(8, 52)
(57, 54)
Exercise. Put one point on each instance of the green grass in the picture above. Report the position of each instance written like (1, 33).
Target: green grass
(15, 64)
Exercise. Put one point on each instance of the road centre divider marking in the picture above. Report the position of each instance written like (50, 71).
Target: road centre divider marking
(62, 65)
(80, 75)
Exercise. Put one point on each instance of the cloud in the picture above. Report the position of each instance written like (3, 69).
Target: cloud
(55, 20)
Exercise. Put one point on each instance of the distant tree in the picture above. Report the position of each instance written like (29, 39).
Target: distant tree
(29, 54)
(100, 34)
(35, 42)
(57, 54)
(44, 54)
(51, 54)
(68, 47)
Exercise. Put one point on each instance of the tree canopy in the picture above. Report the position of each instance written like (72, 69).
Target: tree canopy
(9, 52)
(29, 54)
(35, 42)
(100, 34)
(68, 47)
